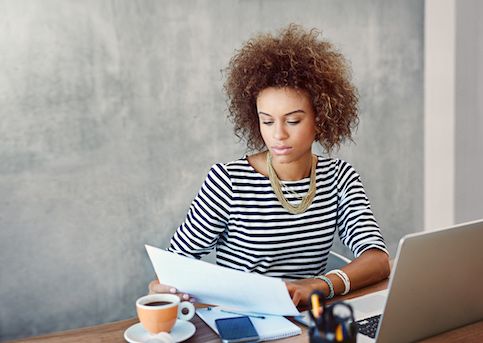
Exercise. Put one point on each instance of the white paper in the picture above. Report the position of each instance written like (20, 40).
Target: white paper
(213, 284)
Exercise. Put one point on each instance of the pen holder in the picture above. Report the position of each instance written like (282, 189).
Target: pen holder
(328, 325)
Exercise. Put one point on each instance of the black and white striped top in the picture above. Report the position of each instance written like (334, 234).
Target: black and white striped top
(237, 212)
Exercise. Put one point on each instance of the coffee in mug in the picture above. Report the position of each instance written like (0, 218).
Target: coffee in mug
(158, 303)
(159, 312)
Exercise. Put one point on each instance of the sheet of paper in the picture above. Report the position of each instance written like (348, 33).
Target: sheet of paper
(212, 284)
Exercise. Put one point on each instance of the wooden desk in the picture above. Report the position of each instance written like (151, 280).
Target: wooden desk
(114, 332)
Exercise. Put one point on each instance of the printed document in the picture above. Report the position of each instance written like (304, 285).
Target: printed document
(229, 288)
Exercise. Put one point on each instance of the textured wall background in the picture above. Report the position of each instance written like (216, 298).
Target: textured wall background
(112, 113)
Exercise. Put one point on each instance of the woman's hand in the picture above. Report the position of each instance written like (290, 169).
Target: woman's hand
(369, 268)
(156, 287)
(300, 290)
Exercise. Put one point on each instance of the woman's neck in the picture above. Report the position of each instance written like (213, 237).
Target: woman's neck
(294, 170)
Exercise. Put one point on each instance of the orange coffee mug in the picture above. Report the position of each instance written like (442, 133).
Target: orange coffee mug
(159, 312)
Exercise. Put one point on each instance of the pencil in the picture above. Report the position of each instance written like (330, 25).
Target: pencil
(315, 305)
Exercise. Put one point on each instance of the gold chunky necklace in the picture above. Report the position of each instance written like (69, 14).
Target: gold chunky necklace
(277, 188)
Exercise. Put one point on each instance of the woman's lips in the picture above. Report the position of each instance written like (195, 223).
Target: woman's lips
(281, 150)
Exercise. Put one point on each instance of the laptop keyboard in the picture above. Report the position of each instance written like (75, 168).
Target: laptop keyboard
(368, 326)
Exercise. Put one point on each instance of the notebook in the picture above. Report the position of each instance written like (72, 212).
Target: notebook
(268, 327)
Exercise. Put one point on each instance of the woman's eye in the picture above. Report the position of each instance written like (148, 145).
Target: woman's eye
(293, 122)
(267, 122)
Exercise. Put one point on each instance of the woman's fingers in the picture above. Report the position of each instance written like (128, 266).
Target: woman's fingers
(156, 287)
(296, 298)
(294, 292)
(186, 297)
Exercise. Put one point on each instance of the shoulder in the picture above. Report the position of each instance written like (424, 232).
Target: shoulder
(344, 166)
(229, 167)
(333, 163)
(330, 164)
(340, 169)
(258, 162)
(227, 170)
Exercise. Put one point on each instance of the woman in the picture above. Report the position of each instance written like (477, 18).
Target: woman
(276, 212)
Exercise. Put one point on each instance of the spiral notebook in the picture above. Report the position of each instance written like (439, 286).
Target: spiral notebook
(268, 327)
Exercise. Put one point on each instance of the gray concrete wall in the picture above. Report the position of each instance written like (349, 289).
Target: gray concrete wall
(111, 113)
(469, 111)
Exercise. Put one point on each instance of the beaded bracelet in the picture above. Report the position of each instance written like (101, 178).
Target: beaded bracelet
(329, 283)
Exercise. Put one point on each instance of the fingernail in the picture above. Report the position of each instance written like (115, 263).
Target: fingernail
(192, 300)
(172, 290)
(186, 296)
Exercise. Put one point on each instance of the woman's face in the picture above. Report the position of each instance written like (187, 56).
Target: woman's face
(287, 123)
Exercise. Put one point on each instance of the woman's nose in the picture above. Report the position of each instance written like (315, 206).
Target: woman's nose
(280, 132)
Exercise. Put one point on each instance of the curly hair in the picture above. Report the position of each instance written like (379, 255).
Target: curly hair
(296, 58)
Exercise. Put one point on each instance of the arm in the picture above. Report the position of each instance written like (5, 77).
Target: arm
(207, 217)
(370, 267)
(357, 230)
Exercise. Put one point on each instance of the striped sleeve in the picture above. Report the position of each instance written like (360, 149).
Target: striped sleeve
(358, 229)
(207, 217)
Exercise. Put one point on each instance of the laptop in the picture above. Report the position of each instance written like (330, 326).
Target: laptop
(436, 285)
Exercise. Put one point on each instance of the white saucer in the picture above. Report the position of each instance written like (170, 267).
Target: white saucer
(181, 331)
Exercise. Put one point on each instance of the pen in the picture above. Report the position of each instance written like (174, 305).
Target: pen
(244, 314)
